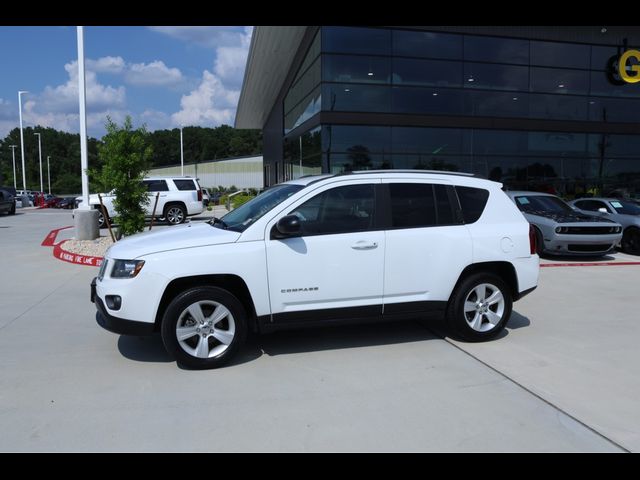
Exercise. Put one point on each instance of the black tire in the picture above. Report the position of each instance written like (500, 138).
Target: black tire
(231, 327)
(631, 241)
(175, 213)
(460, 321)
(101, 220)
(12, 211)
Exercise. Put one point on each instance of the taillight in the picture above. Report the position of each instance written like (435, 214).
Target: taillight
(533, 242)
(199, 195)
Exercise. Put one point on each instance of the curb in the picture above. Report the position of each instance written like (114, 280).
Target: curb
(66, 256)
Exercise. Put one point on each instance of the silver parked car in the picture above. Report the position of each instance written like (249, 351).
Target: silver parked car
(625, 212)
(562, 230)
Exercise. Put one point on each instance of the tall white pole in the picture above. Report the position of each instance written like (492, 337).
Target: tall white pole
(48, 174)
(24, 173)
(82, 90)
(13, 148)
(181, 155)
(40, 156)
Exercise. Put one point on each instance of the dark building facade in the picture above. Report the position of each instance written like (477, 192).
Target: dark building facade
(536, 108)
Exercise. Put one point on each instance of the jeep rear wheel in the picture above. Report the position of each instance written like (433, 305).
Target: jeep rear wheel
(479, 307)
(631, 241)
(203, 327)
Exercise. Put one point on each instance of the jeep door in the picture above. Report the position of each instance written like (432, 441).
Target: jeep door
(333, 269)
(427, 245)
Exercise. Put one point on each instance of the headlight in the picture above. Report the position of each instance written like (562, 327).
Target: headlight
(562, 229)
(126, 268)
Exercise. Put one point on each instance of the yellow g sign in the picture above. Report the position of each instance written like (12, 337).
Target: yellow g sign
(634, 75)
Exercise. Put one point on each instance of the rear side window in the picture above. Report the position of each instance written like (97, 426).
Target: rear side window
(185, 185)
(156, 185)
(412, 205)
(472, 202)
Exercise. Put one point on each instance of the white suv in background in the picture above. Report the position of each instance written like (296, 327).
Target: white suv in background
(178, 198)
(374, 245)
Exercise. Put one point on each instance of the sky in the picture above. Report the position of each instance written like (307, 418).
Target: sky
(163, 77)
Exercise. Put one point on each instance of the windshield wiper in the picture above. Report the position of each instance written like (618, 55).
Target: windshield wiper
(215, 220)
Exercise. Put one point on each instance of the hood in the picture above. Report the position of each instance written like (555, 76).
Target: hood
(172, 238)
(569, 217)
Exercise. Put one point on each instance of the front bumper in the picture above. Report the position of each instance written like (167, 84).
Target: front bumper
(585, 245)
(115, 324)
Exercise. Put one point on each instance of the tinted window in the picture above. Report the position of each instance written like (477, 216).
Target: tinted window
(443, 205)
(185, 184)
(427, 44)
(339, 210)
(437, 73)
(496, 77)
(412, 205)
(356, 40)
(355, 97)
(156, 185)
(591, 205)
(555, 80)
(472, 201)
(540, 203)
(347, 68)
(565, 55)
(502, 50)
(625, 208)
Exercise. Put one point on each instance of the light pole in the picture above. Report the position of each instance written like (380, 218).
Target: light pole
(181, 154)
(13, 148)
(48, 174)
(24, 199)
(40, 156)
(86, 218)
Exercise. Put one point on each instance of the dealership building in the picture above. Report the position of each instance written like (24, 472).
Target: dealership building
(542, 108)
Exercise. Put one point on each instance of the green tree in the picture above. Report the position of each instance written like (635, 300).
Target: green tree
(126, 155)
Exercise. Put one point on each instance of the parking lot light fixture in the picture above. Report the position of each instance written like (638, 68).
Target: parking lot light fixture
(24, 200)
(48, 174)
(181, 153)
(40, 156)
(13, 149)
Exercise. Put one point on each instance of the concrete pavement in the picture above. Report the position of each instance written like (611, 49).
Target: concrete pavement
(562, 378)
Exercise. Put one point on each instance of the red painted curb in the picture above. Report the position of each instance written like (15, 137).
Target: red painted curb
(50, 239)
(592, 264)
(66, 256)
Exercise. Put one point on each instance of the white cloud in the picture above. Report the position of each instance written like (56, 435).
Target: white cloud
(211, 37)
(155, 73)
(215, 100)
(106, 65)
(155, 119)
(210, 104)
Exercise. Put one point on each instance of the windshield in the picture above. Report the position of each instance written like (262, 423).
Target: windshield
(242, 217)
(542, 203)
(625, 208)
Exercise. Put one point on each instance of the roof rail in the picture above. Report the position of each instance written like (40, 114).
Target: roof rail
(393, 170)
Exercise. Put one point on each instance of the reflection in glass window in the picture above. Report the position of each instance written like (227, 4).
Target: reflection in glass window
(496, 77)
(305, 84)
(356, 40)
(500, 104)
(613, 109)
(500, 50)
(554, 54)
(427, 100)
(431, 161)
(435, 141)
(411, 71)
(555, 80)
(356, 69)
(303, 111)
(338, 210)
(342, 138)
(357, 158)
(356, 98)
(601, 57)
(558, 107)
(427, 44)
(601, 86)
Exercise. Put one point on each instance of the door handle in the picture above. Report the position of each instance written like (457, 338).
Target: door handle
(364, 245)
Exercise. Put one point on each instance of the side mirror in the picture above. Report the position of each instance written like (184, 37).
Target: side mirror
(286, 227)
(602, 210)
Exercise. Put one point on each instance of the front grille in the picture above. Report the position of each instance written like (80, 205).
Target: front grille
(589, 248)
(589, 230)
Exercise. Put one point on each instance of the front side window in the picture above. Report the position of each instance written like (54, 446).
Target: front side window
(591, 205)
(339, 210)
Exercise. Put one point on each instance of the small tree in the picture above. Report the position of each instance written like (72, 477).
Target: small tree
(125, 154)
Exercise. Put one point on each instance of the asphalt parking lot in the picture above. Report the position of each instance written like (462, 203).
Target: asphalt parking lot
(565, 375)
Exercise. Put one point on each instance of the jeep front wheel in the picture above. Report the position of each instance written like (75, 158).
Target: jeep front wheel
(479, 307)
(204, 327)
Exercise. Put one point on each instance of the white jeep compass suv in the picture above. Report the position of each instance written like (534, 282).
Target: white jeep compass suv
(374, 245)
